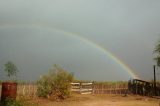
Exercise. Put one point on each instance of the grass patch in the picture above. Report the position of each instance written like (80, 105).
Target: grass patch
(20, 101)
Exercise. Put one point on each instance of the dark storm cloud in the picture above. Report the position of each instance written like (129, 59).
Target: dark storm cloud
(127, 28)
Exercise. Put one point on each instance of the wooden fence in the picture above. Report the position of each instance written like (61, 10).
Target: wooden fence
(118, 88)
(25, 90)
(82, 88)
(144, 88)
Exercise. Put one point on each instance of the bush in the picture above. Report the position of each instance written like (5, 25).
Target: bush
(56, 84)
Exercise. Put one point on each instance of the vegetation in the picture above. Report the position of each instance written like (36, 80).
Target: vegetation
(56, 84)
(18, 102)
(157, 51)
(10, 69)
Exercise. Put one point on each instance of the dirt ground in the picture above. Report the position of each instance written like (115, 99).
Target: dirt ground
(103, 100)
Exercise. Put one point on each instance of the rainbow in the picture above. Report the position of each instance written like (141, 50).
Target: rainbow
(77, 36)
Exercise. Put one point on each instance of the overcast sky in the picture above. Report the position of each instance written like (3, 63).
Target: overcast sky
(127, 28)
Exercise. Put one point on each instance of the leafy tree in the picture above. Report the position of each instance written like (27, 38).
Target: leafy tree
(157, 51)
(56, 84)
(11, 69)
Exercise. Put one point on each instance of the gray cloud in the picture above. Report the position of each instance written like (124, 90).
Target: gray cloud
(129, 29)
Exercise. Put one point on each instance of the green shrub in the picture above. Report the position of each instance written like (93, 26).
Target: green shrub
(56, 84)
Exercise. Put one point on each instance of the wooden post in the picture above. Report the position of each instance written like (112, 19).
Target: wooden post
(155, 91)
(23, 89)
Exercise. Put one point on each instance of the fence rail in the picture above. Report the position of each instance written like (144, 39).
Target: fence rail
(82, 88)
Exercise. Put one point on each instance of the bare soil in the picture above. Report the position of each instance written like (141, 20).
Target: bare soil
(102, 100)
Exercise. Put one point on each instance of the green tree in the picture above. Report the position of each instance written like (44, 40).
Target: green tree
(157, 51)
(56, 84)
(10, 69)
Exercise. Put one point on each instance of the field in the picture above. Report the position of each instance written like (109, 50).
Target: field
(102, 100)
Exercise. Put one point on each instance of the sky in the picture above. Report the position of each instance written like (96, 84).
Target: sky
(85, 37)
